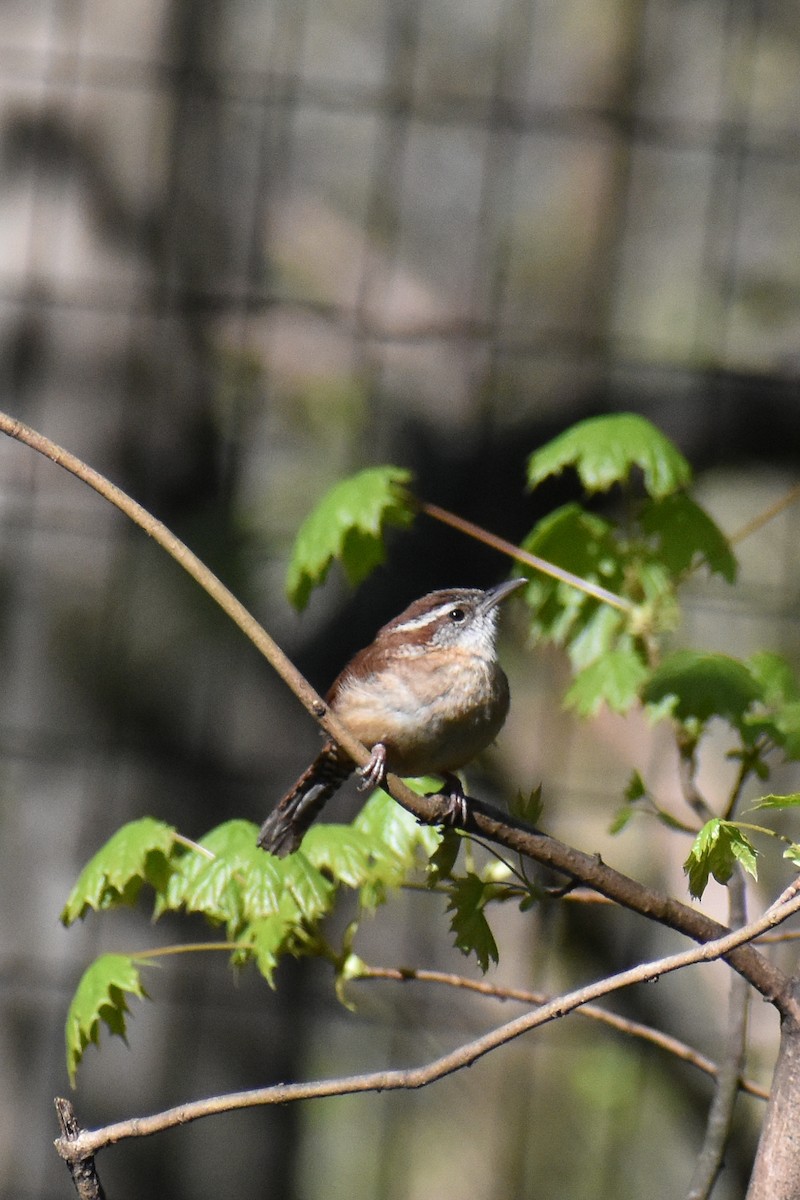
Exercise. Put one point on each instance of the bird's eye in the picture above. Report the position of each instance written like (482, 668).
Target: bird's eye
(457, 615)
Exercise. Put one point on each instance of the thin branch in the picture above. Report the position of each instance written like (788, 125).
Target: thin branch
(787, 894)
(207, 580)
(90, 1141)
(720, 1117)
(746, 769)
(484, 819)
(189, 948)
(687, 776)
(592, 872)
(769, 514)
(523, 556)
(645, 1033)
(772, 939)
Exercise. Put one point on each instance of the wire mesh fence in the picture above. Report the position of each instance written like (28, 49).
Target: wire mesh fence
(243, 249)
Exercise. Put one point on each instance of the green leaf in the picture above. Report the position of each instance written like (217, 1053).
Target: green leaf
(242, 884)
(635, 788)
(581, 543)
(604, 449)
(100, 996)
(306, 894)
(353, 967)
(683, 532)
(423, 785)
(703, 686)
(615, 680)
(781, 694)
(391, 830)
(468, 898)
(208, 885)
(784, 728)
(394, 836)
(341, 850)
(622, 817)
(775, 677)
(348, 524)
(444, 858)
(527, 807)
(268, 937)
(790, 801)
(141, 851)
(744, 852)
(599, 636)
(715, 851)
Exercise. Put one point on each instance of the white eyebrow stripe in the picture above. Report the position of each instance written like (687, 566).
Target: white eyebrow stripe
(428, 617)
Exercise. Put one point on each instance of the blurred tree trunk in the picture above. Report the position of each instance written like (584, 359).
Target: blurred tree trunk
(776, 1174)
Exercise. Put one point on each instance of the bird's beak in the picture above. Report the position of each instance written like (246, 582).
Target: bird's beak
(497, 594)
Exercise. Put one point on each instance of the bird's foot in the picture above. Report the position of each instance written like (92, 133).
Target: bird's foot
(456, 810)
(373, 773)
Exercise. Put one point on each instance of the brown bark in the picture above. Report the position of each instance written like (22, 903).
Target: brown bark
(776, 1173)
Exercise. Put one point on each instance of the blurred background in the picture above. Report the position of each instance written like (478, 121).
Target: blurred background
(246, 248)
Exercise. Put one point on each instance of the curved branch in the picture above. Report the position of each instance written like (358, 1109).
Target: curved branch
(88, 1142)
(483, 818)
(636, 1029)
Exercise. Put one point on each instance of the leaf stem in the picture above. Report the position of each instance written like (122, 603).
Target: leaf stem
(773, 833)
(195, 846)
(523, 556)
(763, 518)
(187, 948)
(729, 1074)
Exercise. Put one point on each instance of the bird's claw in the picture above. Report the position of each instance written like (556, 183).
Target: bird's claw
(456, 808)
(373, 773)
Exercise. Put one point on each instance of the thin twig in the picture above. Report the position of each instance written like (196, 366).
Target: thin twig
(787, 894)
(687, 777)
(523, 556)
(773, 939)
(199, 572)
(637, 1029)
(189, 948)
(769, 514)
(90, 1141)
(592, 872)
(720, 1116)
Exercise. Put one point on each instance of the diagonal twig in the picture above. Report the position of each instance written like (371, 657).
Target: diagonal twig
(636, 1029)
(710, 1159)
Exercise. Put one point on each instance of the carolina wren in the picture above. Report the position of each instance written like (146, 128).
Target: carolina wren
(425, 697)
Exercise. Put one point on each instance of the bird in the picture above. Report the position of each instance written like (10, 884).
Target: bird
(425, 697)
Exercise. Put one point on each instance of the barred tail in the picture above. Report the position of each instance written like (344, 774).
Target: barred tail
(283, 830)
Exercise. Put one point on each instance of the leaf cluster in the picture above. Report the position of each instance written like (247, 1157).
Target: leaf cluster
(642, 556)
(265, 907)
(758, 700)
